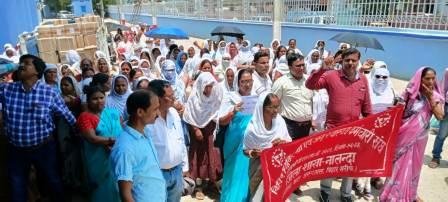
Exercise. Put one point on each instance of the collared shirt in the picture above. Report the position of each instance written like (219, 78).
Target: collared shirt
(348, 100)
(296, 99)
(168, 139)
(28, 115)
(261, 84)
(134, 159)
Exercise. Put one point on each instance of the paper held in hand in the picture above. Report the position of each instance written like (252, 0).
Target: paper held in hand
(249, 103)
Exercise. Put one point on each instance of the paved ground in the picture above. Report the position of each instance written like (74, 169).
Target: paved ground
(433, 182)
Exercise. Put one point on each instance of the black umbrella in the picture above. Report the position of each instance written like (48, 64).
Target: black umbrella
(227, 31)
(358, 40)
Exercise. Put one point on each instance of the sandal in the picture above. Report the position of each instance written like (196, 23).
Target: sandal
(434, 163)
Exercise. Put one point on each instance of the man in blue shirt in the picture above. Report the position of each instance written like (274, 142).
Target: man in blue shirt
(28, 108)
(134, 158)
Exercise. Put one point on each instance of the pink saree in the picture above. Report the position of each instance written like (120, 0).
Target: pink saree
(411, 142)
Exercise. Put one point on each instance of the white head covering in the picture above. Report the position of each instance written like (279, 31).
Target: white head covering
(117, 101)
(76, 86)
(72, 57)
(257, 136)
(100, 54)
(271, 49)
(245, 55)
(379, 64)
(169, 71)
(341, 44)
(51, 67)
(310, 66)
(151, 72)
(381, 90)
(225, 83)
(140, 79)
(323, 53)
(200, 109)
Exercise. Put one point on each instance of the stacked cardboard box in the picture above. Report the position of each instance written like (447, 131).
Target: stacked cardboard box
(55, 40)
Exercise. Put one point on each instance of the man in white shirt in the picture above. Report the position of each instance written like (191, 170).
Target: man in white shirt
(167, 135)
(262, 82)
(296, 98)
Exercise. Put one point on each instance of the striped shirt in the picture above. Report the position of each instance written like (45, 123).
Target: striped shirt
(28, 116)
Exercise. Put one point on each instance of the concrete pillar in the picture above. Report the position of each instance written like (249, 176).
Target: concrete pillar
(277, 20)
(154, 15)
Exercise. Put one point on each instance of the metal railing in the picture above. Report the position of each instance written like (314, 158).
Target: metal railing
(410, 14)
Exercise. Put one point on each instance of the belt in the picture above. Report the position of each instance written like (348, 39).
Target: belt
(300, 123)
(170, 169)
(36, 147)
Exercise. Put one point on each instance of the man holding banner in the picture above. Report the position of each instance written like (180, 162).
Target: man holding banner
(348, 99)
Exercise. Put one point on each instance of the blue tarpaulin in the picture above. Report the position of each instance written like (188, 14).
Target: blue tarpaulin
(16, 17)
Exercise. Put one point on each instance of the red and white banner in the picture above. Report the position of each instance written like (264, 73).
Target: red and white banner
(364, 148)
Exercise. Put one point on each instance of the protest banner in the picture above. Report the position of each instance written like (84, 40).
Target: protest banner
(363, 148)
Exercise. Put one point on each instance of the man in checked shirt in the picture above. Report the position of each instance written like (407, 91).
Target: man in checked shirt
(28, 107)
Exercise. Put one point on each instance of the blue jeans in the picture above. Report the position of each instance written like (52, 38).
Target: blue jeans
(441, 135)
(44, 160)
(174, 183)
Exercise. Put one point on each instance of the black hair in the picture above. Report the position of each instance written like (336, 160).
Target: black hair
(292, 40)
(154, 50)
(426, 70)
(139, 99)
(85, 59)
(38, 63)
(339, 52)
(268, 100)
(278, 50)
(172, 47)
(146, 53)
(127, 63)
(66, 78)
(259, 55)
(351, 51)
(293, 57)
(158, 86)
(92, 89)
(100, 79)
(15, 76)
(241, 72)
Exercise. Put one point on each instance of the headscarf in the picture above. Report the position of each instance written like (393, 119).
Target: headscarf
(379, 64)
(200, 109)
(225, 83)
(381, 91)
(322, 53)
(140, 79)
(148, 72)
(78, 91)
(73, 57)
(179, 64)
(245, 55)
(58, 79)
(100, 54)
(271, 49)
(257, 136)
(310, 66)
(413, 88)
(347, 44)
(117, 101)
(169, 71)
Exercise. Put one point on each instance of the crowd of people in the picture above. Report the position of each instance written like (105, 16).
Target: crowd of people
(162, 120)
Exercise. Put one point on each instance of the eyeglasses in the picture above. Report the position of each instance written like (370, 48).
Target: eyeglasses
(382, 77)
(366, 72)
